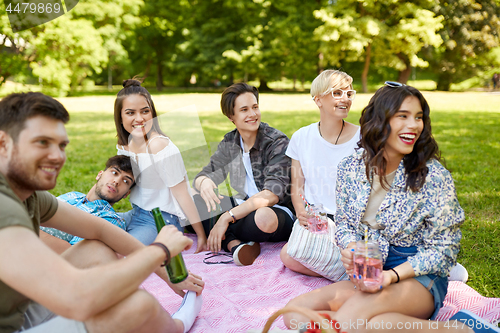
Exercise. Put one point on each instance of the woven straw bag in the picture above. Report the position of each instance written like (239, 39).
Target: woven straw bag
(312, 315)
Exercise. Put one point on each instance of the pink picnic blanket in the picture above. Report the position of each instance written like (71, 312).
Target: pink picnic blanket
(237, 299)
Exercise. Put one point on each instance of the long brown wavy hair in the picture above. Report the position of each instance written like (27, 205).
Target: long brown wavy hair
(375, 131)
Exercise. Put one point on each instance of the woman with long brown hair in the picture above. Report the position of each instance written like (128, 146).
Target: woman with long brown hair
(395, 192)
(162, 178)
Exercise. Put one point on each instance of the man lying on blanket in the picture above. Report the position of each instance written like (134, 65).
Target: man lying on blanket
(113, 184)
(86, 289)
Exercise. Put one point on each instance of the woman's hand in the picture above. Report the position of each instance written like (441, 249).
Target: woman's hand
(218, 233)
(302, 217)
(201, 244)
(386, 281)
(347, 258)
(208, 195)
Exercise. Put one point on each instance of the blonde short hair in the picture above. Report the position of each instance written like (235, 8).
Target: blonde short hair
(330, 79)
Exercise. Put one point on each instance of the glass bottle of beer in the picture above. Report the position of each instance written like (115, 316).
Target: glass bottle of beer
(176, 269)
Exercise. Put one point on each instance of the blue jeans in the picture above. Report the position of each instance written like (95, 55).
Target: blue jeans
(141, 224)
(437, 285)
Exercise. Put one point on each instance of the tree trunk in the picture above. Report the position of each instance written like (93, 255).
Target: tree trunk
(320, 63)
(366, 68)
(110, 76)
(263, 85)
(294, 81)
(444, 82)
(405, 74)
(159, 76)
(148, 68)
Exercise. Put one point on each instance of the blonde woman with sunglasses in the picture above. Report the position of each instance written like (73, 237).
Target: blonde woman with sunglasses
(315, 151)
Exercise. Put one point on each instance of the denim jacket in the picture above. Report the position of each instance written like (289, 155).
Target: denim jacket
(429, 218)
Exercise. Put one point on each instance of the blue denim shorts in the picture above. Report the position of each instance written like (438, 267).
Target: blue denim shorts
(437, 285)
(141, 224)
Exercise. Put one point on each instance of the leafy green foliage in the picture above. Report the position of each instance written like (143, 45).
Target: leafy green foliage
(66, 52)
(388, 33)
(13, 59)
(115, 22)
(471, 30)
(218, 42)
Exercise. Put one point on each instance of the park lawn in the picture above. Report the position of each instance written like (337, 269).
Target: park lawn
(465, 125)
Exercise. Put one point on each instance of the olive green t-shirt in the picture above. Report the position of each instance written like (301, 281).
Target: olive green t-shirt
(38, 208)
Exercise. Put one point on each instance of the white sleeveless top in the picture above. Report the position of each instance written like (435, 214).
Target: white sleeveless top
(157, 173)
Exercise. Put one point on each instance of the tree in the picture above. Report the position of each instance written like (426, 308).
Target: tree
(115, 21)
(387, 32)
(222, 37)
(13, 58)
(287, 46)
(471, 30)
(154, 45)
(260, 39)
(66, 52)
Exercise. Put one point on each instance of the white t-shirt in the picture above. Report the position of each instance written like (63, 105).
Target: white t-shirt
(157, 173)
(319, 159)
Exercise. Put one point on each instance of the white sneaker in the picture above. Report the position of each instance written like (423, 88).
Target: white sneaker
(458, 273)
(244, 254)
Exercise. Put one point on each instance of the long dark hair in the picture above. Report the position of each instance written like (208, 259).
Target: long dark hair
(132, 87)
(375, 131)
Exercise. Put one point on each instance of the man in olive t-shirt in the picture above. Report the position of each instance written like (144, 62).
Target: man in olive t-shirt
(86, 289)
(40, 207)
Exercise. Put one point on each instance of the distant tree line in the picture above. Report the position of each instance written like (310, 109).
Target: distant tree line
(217, 42)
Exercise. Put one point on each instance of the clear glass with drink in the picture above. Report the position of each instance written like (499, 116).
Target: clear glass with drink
(359, 258)
(317, 219)
(368, 263)
(372, 274)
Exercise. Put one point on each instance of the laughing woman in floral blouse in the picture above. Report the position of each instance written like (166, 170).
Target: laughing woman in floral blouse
(396, 188)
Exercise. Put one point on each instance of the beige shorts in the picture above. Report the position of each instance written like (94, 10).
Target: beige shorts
(39, 319)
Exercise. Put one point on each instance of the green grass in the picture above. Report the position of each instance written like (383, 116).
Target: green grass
(465, 125)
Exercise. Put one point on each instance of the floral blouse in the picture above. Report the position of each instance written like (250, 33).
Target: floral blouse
(428, 219)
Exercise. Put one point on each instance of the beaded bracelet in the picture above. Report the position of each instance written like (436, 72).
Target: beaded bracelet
(167, 252)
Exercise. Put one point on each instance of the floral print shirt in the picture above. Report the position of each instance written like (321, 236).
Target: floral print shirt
(428, 219)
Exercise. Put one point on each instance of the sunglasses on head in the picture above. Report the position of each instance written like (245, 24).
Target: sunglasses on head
(394, 84)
